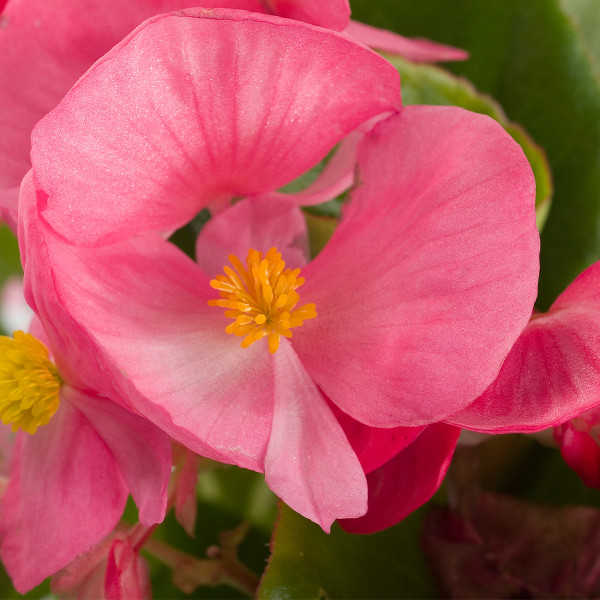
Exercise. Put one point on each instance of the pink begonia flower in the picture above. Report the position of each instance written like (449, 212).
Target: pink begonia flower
(552, 373)
(45, 48)
(78, 457)
(427, 276)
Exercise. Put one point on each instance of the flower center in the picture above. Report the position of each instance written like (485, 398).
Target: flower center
(29, 383)
(260, 298)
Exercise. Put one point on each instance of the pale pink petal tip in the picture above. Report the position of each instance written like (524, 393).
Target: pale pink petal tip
(413, 49)
(309, 463)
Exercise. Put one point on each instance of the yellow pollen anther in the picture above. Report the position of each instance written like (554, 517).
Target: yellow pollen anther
(261, 298)
(29, 383)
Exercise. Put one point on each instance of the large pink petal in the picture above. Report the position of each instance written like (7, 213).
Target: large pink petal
(196, 108)
(66, 493)
(333, 14)
(431, 276)
(407, 481)
(415, 49)
(75, 353)
(46, 46)
(141, 451)
(553, 371)
(144, 305)
(257, 223)
(309, 462)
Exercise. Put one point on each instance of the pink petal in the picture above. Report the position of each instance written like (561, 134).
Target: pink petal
(186, 504)
(130, 350)
(66, 493)
(580, 446)
(374, 446)
(207, 106)
(127, 574)
(407, 481)
(172, 357)
(336, 177)
(258, 223)
(333, 14)
(426, 284)
(310, 464)
(84, 576)
(552, 373)
(75, 353)
(45, 47)
(142, 452)
(415, 49)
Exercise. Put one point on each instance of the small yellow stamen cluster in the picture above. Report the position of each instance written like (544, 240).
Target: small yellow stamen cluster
(29, 383)
(260, 298)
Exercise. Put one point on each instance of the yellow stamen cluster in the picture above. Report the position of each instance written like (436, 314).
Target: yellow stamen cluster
(260, 298)
(29, 383)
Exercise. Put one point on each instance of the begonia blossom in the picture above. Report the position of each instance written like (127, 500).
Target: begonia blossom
(45, 47)
(431, 272)
(76, 458)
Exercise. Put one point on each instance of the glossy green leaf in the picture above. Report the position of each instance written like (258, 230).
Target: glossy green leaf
(307, 563)
(533, 58)
(429, 84)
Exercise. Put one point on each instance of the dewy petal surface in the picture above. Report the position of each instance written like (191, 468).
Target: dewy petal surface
(310, 463)
(66, 493)
(432, 274)
(553, 371)
(195, 108)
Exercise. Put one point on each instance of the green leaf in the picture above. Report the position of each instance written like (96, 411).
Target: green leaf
(586, 18)
(535, 61)
(307, 563)
(10, 262)
(428, 84)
